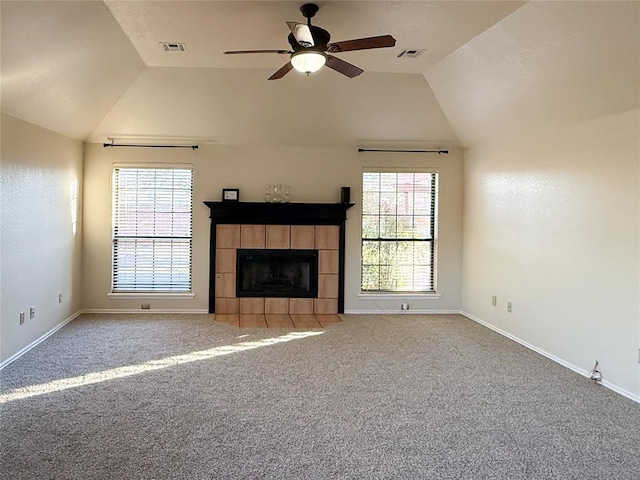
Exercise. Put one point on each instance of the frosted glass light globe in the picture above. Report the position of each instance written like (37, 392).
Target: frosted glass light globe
(308, 62)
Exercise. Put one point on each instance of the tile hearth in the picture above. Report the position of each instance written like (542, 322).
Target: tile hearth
(277, 320)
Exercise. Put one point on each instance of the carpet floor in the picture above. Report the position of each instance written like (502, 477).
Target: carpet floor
(371, 397)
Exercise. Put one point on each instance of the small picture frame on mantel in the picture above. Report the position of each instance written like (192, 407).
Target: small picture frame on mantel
(230, 194)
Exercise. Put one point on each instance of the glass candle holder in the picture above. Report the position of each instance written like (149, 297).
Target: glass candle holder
(277, 193)
(268, 193)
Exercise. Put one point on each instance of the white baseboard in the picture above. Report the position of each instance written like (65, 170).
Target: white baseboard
(544, 353)
(138, 310)
(401, 312)
(39, 340)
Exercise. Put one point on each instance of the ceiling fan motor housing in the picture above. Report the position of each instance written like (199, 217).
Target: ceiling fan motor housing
(309, 10)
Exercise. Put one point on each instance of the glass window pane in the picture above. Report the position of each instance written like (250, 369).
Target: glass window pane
(370, 226)
(388, 226)
(422, 253)
(388, 182)
(387, 203)
(422, 204)
(370, 277)
(422, 279)
(370, 253)
(182, 179)
(404, 205)
(387, 253)
(371, 203)
(405, 278)
(422, 182)
(405, 182)
(387, 278)
(370, 182)
(146, 177)
(181, 201)
(164, 179)
(404, 227)
(404, 255)
(422, 227)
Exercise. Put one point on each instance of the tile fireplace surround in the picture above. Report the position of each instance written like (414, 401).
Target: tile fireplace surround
(296, 226)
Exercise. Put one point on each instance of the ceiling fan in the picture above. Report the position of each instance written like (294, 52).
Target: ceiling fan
(312, 50)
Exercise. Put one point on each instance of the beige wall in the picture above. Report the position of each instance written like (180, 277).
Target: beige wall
(547, 104)
(315, 174)
(40, 255)
(552, 225)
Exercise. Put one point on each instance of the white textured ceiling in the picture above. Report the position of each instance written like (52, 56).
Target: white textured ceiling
(64, 64)
(210, 28)
(548, 64)
(91, 69)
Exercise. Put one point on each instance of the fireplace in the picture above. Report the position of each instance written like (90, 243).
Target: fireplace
(277, 258)
(276, 273)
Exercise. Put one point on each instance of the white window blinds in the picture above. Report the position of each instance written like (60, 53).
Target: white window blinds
(399, 231)
(152, 213)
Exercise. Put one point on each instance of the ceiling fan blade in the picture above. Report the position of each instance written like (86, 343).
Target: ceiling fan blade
(236, 52)
(286, 68)
(343, 67)
(302, 34)
(382, 41)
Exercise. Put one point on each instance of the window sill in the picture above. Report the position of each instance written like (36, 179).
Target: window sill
(159, 295)
(400, 295)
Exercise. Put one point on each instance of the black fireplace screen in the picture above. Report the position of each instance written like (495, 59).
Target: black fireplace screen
(277, 273)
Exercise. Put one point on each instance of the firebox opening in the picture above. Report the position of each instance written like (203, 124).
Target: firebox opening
(277, 273)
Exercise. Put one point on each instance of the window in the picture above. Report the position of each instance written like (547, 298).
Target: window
(399, 231)
(152, 229)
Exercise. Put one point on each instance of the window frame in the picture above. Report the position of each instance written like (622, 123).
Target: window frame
(145, 291)
(433, 231)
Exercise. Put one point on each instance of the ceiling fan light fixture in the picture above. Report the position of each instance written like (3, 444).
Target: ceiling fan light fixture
(308, 61)
(311, 50)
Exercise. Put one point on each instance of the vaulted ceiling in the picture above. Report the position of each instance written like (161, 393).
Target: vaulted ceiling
(93, 70)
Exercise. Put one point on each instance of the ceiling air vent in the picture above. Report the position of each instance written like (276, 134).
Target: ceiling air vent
(411, 53)
(174, 47)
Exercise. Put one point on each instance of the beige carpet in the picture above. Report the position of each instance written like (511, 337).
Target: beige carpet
(404, 396)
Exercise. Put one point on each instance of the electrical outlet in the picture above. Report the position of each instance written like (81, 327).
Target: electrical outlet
(494, 301)
(21, 318)
(32, 312)
(145, 306)
(509, 309)
(59, 298)
(404, 306)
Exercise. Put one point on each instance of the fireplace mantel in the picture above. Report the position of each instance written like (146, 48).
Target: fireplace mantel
(319, 215)
(261, 213)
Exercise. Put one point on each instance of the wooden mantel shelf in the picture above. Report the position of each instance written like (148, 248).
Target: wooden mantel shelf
(263, 213)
